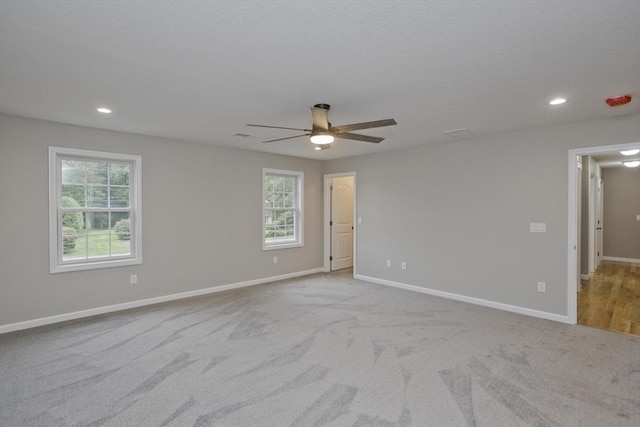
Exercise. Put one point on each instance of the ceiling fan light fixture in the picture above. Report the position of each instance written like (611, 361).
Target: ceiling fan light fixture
(321, 137)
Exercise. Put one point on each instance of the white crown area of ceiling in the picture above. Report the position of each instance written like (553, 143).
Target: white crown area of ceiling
(200, 70)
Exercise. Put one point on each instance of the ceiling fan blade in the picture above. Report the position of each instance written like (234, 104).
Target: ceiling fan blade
(358, 137)
(320, 118)
(289, 137)
(364, 125)
(279, 127)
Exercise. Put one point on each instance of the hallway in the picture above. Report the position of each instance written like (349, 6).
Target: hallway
(611, 298)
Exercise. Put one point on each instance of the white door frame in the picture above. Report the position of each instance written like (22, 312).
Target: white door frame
(327, 217)
(573, 232)
(593, 194)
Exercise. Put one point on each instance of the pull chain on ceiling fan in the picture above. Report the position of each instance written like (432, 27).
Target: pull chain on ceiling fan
(322, 133)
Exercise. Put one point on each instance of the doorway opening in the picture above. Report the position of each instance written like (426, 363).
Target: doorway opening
(339, 221)
(593, 218)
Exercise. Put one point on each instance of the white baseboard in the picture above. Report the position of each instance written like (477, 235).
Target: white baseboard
(149, 301)
(585, 276)
(618, 259)
(471, 300)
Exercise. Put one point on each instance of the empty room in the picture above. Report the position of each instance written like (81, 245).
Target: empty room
(320, 213)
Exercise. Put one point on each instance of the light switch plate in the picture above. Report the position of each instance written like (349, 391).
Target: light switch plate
(538, 227)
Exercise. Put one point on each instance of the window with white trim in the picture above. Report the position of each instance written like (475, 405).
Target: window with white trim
(94, 209)
(282, 208)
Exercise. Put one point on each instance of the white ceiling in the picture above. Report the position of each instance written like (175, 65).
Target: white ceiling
(201, 70)
(614, 159)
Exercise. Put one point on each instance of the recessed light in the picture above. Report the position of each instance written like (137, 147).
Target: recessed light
(103, 110)
(630, 152)
(632, 163)
(557, 101)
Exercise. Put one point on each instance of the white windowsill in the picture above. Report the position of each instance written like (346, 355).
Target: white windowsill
(63, 268)
(282, 246)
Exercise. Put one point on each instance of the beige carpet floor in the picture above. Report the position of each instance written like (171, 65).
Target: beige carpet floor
(323, 350)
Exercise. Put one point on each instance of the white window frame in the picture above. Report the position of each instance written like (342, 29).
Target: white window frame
(56, 264)
(299, 214)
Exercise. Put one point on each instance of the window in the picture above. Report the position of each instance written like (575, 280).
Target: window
(282, 208)
(94, 209)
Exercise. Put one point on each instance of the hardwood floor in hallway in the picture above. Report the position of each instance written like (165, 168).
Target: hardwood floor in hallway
(610, 299)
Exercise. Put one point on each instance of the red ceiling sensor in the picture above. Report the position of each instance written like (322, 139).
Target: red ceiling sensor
(614, 101)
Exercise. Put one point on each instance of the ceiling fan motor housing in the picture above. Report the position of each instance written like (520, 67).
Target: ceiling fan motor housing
(323, 106)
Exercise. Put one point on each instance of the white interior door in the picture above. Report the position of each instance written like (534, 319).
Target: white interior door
(341, 223)
(599, 221)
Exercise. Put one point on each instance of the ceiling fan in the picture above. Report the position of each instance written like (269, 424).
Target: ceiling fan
(322, 133)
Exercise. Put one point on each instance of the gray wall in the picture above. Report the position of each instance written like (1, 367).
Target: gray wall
(458, 213)
(201, 220)
(621, 205)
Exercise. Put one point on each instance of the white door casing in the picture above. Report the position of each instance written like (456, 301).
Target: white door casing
(579, 171)
(572, 220)
(595, 178)
(341, 223)
(599, 221)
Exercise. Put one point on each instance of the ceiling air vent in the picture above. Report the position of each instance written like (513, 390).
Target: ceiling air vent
(459, 133)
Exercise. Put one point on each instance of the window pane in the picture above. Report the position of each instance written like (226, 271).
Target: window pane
(289, 218)
(119, 173)
(98, 234)
(288, 200)
(97, 173)
(269, 232)
(74, 220)
(97, 196)
(73, 196)
(120, 247)
(119, 197)
(73, 236)
(98, 221)
(289, 184)
(121, 226)
(280, 226)
(73, 172)
(98, 244)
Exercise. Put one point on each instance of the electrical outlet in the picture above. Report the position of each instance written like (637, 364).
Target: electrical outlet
(133, 279)
(388, 263)
(275, 259)
(403, 265)
(542, 287)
